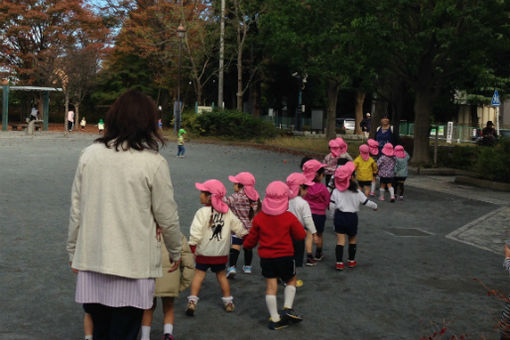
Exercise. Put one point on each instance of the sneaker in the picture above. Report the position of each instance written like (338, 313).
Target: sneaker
(190, 309)
(351, 263)
(310, 262)
(400, 198)
(381, 198)
(372, 194)
(283, 323)
(229, 307)
(231, 272)
(247, 269)
(299, 283)
(392, 200)
(290, 315)
(168, 337)
(318, 257)
(339, 266)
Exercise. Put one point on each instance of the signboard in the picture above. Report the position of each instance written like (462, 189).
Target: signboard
(495, 99)
(449, 132)
(440, 131)
(317, 123)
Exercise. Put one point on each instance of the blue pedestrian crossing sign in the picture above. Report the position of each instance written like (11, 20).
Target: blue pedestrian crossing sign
(495, 99)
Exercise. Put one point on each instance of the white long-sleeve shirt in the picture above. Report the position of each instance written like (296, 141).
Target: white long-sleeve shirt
(301, 209)
(349, 201)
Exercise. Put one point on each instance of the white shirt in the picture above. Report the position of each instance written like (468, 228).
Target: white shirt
(70, 116)
(301, 209)
(348, 201)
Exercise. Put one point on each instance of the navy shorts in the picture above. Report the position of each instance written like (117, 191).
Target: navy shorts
(279, 267)
(386, 180)
(237, 240)
(319, 221)
(215, 268)
(346, 223)
(364, 183)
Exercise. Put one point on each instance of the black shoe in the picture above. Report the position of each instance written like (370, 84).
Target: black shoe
(291, 316)
(283, 323)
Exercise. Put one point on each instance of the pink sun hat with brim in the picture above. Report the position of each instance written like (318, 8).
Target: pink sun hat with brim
(399, 151)
(387, 150)
(294, 181)
(343, 176)
(364, 152)
(218, 191)
(373, 146)
(334, 147)
(311, 167)
(248, 182)
(276, 201)
(342, 145)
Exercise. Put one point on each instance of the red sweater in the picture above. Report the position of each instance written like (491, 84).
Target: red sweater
(275, 234)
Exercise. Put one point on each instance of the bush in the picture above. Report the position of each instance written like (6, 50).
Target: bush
(458, 157)
(494, 162)
(230, 123)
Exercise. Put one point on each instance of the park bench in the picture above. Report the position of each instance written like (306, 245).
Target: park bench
(22, 126)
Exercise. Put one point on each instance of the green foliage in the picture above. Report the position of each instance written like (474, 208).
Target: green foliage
(230, 123)
(458, 157)
(494, 162)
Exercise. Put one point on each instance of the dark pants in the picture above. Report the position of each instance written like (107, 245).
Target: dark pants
(299, 252)
(180, 150)
(69, 125)
(114, 323)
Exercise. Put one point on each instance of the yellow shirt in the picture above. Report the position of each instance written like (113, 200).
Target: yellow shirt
(365, 170)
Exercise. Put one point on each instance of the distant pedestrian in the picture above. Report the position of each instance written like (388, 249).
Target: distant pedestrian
(345, 202)
(365, 124)
(34, 114)
(317, 197)
(209, 240)
(180, 143)
(100, 125)
(386, 171)
(366, 169)
(245, 204)
(384, 132)
(331, 159)
(70, 120)
(273, 229)
(83, 123)
(401, 170)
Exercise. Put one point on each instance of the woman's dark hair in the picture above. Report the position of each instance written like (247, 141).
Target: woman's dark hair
(252, 212)
(132, 119)
(353, 184)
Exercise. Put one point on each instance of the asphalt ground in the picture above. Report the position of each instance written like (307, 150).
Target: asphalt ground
(411, 278)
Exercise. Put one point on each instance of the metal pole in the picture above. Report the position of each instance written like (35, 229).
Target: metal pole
(222, 55)
(46, 109)
(435, 145)
(497, 119)
(5, 107)
(178, 110)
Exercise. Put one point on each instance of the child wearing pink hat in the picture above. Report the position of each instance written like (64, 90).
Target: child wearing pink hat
(373, 148)
(273, 229)
(366, 168)
(317, 197)
(341, 160)
(245, 203)
(345, 202)
(331, 159)
(401, 160)
(386, 166)
(298, 186)
(209, 240)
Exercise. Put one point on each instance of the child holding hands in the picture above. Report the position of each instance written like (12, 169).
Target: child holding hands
(209, 240)
(366, 169)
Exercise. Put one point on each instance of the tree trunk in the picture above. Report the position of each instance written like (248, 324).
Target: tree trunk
(333, 89)
(66, 108)
(239, 93)
(422, 110)
(360, 99)
(77, 114)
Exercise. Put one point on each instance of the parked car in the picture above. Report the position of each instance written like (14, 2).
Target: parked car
(346, 124)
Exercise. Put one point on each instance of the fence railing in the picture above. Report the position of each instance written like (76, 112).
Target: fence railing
(460, 133)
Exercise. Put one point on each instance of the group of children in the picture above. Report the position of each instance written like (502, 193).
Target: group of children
(285, 224)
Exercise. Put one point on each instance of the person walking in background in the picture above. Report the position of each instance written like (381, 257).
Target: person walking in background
(273, 229)
(209, 240)
(366, 169)
(345, 202)
(386, 168)
(401, 170)
(384, 132)
(245, 204)
(70, 120)
(365, 124)
(83, 123)
(180, 143)
(100, 125)
(317, 197)
(123, 169)
(331, 159)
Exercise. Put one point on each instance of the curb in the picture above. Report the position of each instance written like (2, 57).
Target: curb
(483, 183)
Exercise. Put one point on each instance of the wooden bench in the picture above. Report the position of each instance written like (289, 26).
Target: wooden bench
(22, 126)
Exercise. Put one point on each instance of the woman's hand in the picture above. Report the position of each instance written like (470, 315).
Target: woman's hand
(174, 265)
(74, 270)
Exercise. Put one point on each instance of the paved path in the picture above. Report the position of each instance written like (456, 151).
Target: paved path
(413, 275)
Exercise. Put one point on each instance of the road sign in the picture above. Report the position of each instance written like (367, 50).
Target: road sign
(495, 99)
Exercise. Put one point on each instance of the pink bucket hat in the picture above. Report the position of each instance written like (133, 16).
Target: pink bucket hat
(218, 191)
(342, 145)
(343, 176)
(387, 149)
(334, 147)
(311, 167)
(276, 201)
(399, 151)
(248, 182)
(294, 180)
(373, 146)
(364, 151)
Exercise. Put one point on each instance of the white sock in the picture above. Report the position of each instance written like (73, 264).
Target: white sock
(372, 187)
(168, 328)
(289, 293)
(146, 333)
(227, 299)
(193, 298)
(392, 192)
(88, 337)
(272, 307)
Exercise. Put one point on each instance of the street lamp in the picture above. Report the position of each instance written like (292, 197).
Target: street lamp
(181, 31)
